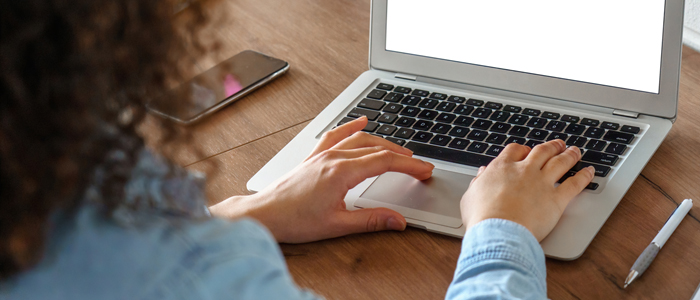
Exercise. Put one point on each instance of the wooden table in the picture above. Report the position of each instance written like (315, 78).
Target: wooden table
(326, 43)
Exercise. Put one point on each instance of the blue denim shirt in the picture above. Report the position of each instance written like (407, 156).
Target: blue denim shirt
(169, 249)
(173, 257)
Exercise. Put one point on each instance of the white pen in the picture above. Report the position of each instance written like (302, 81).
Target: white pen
(650, 252)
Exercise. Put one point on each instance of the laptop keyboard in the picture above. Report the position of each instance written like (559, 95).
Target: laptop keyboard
(473, 132)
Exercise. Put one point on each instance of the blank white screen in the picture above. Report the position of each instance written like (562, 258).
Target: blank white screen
(607, 42)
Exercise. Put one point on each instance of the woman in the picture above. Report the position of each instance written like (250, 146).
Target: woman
(86, 212)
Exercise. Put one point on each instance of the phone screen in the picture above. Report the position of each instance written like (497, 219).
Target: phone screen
(218, 84)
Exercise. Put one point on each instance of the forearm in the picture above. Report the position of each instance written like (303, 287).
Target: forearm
(499, 259)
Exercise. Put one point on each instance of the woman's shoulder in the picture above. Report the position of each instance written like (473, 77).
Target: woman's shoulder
(92, 255)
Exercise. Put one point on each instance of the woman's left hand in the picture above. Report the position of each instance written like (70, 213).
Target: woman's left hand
(307, 203)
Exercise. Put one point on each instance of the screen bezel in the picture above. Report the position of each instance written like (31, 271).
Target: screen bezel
(663, 104)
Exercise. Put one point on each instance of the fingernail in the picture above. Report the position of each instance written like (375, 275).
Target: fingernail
(591, 170)
(395, 224)
(408, 150)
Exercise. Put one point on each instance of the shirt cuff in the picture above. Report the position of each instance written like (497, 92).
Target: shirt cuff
(498, 240)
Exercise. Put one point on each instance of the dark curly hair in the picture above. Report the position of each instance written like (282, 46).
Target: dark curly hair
(74, 77)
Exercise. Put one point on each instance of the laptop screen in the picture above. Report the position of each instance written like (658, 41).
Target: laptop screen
(611, 43)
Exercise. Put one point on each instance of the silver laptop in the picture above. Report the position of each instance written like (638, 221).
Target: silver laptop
(455, 81)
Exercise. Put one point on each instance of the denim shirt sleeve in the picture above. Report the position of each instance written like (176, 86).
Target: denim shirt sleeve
(500, 259)
(240, 261)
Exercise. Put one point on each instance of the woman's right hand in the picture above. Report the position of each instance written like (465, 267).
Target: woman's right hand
(520, 186)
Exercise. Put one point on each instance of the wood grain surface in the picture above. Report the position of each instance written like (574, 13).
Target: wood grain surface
(326, 44)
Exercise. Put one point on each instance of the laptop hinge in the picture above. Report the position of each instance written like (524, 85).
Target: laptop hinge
(624, 113)
(404, 76)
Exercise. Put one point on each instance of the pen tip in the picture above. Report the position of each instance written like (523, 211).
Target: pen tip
(626, 284)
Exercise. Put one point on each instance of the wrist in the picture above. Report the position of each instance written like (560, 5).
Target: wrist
(233, 208)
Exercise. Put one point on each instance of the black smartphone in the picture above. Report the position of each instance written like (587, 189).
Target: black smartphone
(219, 86)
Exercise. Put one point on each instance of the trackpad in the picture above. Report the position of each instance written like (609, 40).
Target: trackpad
(435, 200)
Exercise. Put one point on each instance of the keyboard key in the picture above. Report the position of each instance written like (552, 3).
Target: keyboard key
(459, 144)
(345, 120)
(420, 93)
(411, 100)
(533, 143)
(478, 147)
(590, 122)
(427, 114)
(597, 145)
(404, 133)
(376, 94)
(577, 141)
(477, 135)
(630, 129)
(482, 113)
(402, 89)
(393, 108)
(496, 138)
(371, 126)
(410, 111)
(422, 136)
(599, 158)
(515, 139)
(441, 128)
(387, 118)
(428, 103)
(371, 104)
(519, 131)
(446, 118)
(395, 140)
(464, 121)
(557, 136)
(446, 106)
(459, 131)
(464, 110)
(475, 102)
(393, 97)
(610, 125)
(538, 134)
(423, 125)
(455, 156)
(531, 112)
(575, 129)
(405, 121)
(518, 119)
(500, 127)
(482, 124)
(438, 96)
(537, 122)
(556, 126)
(570, 119)
(456, 99)
(493, 105)
(386, 129)
(385, 86)
(551, 115)
(600, 171)
(594, 132)
(513, 109)
(440, 140)
(359, 112)
(615, 148)
(500, 116)
(494, 150)
(619, 137)
(591, 186)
